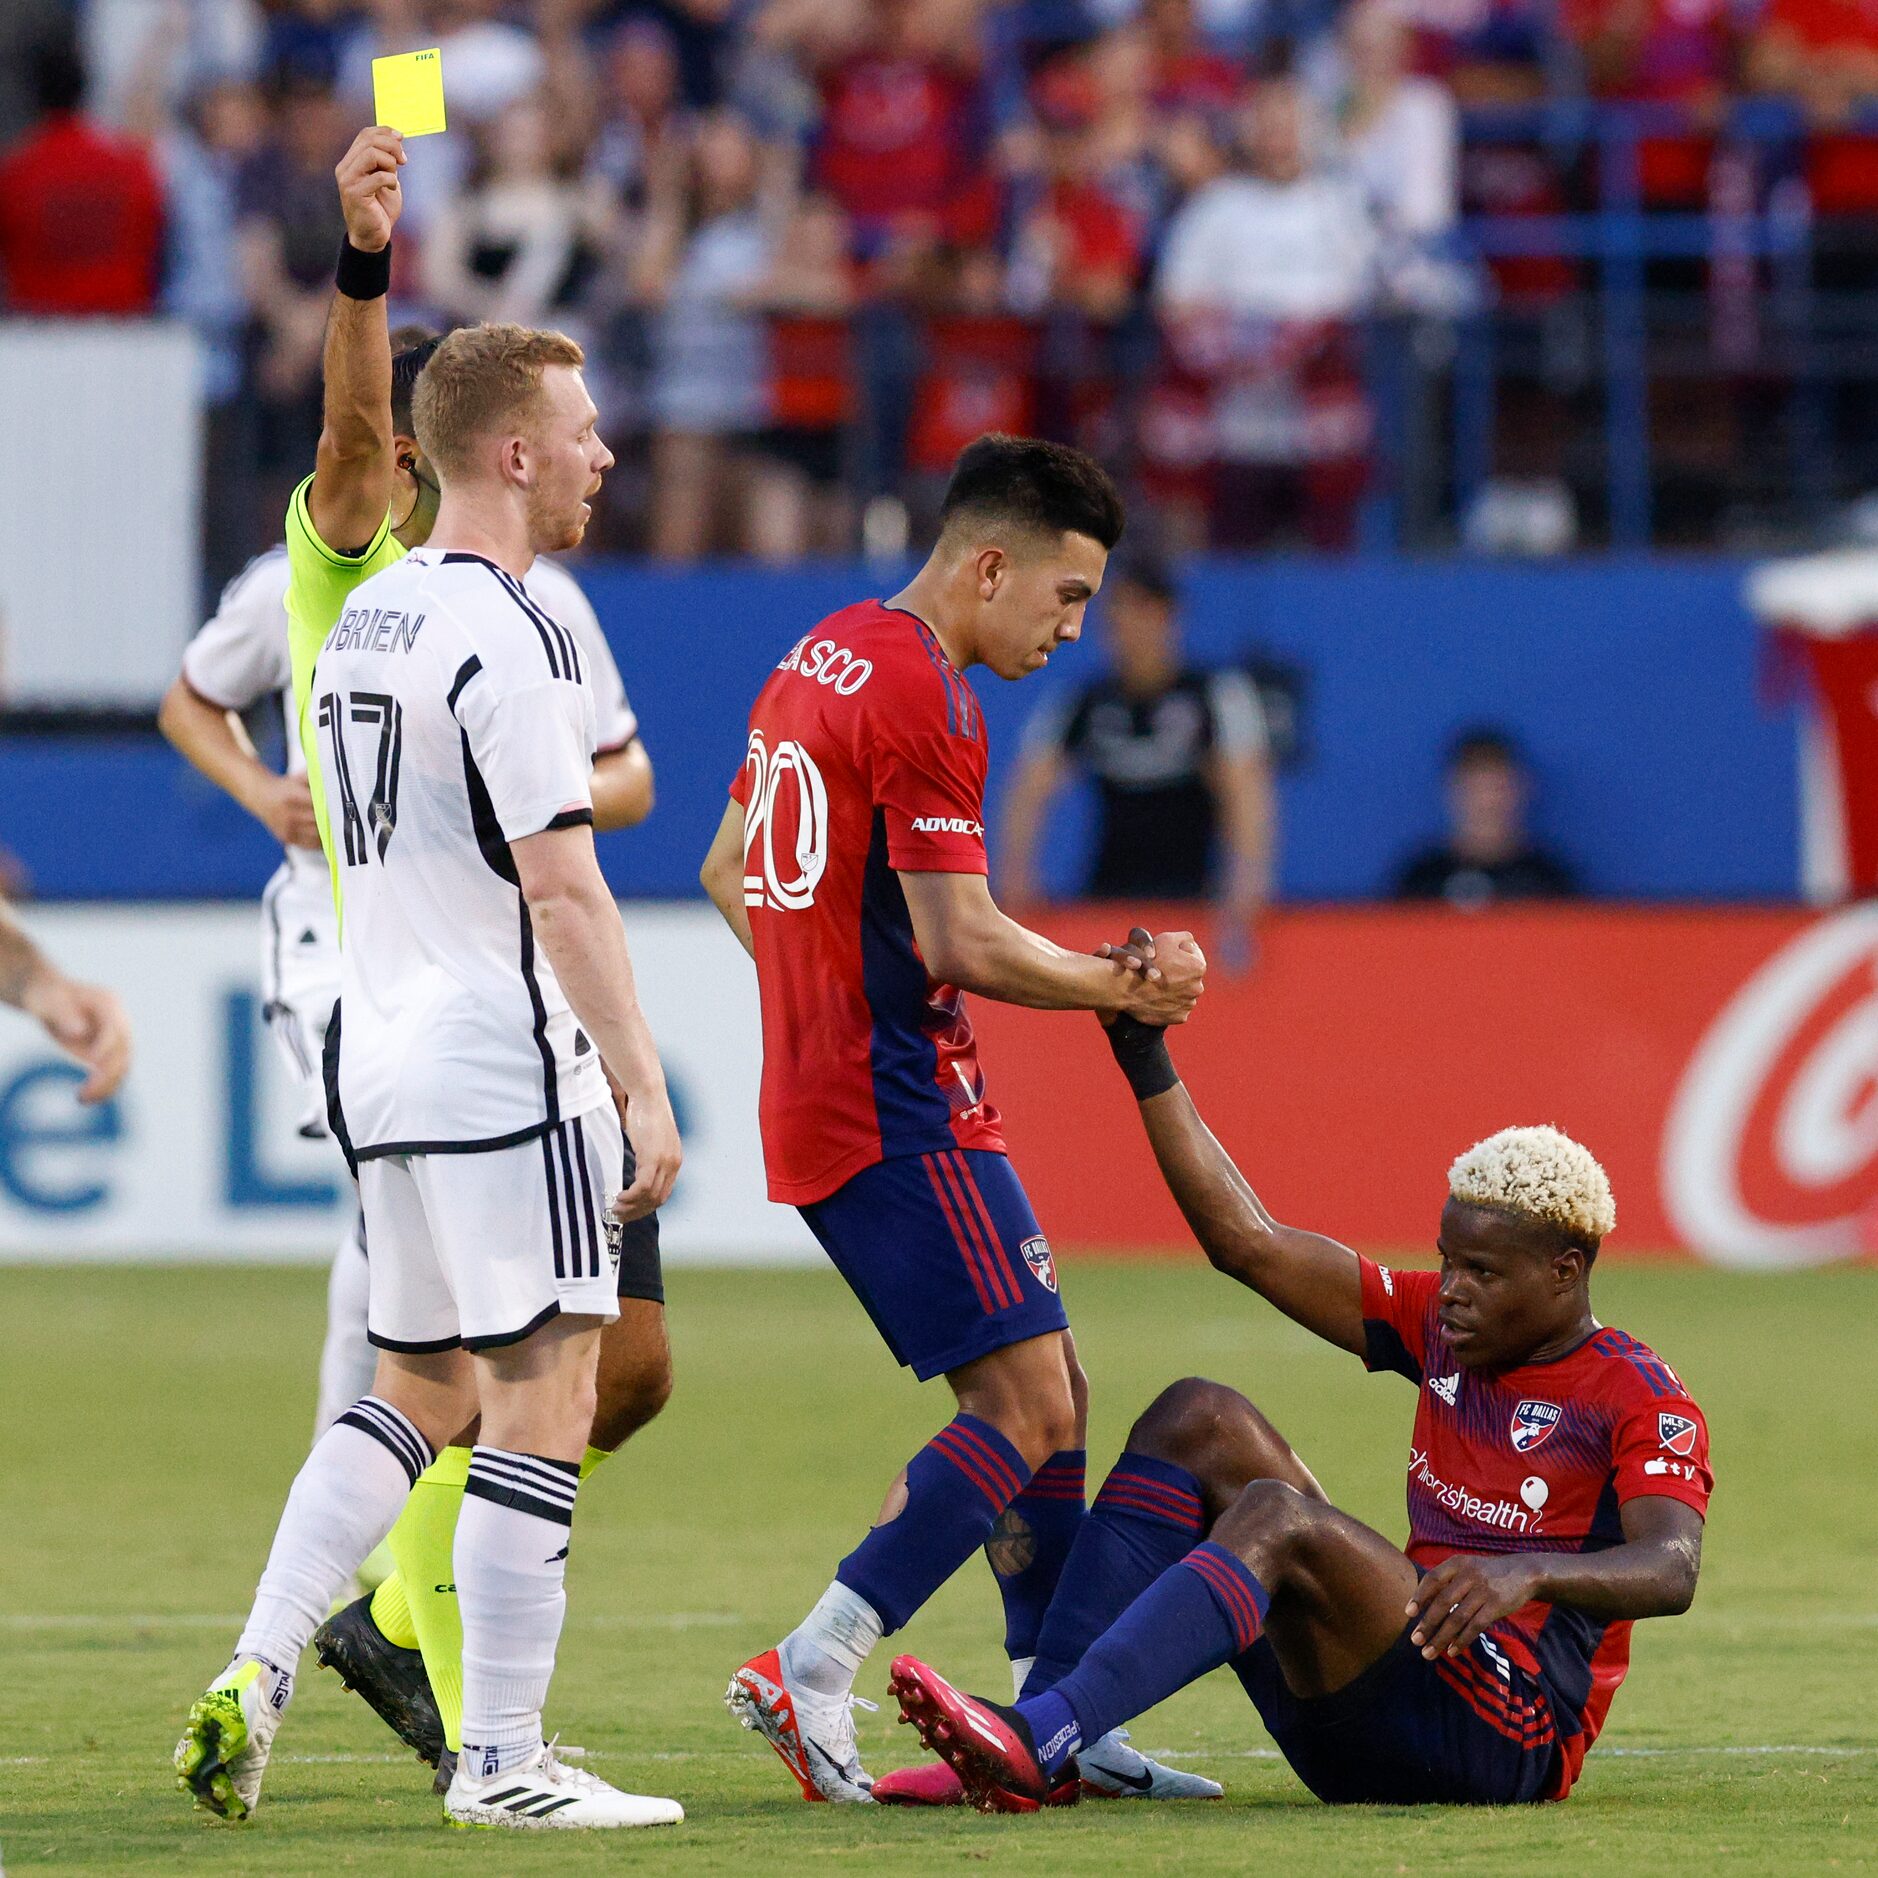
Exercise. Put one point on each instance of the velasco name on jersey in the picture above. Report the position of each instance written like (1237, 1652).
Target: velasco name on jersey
(828, 664)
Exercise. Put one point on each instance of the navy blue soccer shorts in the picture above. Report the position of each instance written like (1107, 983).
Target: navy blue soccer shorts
(1476, 1730)
(944, 1253)
(641, 1270)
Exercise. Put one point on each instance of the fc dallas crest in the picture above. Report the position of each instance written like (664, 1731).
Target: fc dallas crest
(1533, 1422)
(1037, 1256)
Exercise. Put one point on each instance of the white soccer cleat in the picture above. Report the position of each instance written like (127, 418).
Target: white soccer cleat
(1116, 1771)
(813, 1735)
(546, 1792)
(229, 1735)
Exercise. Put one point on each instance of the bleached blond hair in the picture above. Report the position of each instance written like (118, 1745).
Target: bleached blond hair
(1539, 1174)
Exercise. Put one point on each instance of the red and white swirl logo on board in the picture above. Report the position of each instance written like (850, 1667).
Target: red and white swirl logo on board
(1770, 1152)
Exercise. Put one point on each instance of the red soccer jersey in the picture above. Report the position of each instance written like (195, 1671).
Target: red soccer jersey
(866, 759)
(1536, 1459)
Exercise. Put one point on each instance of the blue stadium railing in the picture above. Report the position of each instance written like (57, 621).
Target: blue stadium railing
(1614, 240)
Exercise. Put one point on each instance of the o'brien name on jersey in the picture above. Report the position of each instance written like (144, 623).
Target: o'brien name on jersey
(375, 629)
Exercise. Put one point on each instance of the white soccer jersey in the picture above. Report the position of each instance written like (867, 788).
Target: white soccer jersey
(454, 718)
(240, 656)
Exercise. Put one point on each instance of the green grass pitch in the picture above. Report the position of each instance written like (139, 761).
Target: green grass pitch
(154, 1418)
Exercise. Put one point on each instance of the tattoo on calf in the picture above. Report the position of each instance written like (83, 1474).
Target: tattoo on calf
(1012, 1547)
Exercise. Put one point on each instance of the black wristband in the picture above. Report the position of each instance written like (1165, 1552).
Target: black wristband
(363, 276)
(1141, 1050)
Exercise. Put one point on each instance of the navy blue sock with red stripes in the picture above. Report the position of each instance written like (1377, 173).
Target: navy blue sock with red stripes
(1197, 1615)
(956, 1485)
(1148, 1516)
(1030, 1544)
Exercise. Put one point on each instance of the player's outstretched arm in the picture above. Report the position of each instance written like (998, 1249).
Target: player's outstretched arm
(213, 740)
(1652, 1574)
(86, 1021)
(966, 940)
(721, 876)
(578, 927)
(1312, 1279)
(353, 474)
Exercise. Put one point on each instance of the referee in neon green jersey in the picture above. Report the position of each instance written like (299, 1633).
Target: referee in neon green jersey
(372, 495)
(367, 500)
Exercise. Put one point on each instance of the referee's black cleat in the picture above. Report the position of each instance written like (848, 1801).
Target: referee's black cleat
(389, 1677)
(446, 1772)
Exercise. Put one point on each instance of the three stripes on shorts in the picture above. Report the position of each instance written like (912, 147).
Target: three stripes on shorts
(575, 1198)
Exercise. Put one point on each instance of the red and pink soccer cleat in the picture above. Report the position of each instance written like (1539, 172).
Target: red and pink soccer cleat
(983, 1745)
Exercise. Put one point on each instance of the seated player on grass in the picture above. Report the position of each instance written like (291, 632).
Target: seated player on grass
(1557, 1479)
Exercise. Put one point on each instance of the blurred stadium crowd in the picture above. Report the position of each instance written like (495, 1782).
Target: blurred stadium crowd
(1452, 269)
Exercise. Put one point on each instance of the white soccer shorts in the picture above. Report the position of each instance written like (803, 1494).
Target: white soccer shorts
(480, 1249)
(300, 980)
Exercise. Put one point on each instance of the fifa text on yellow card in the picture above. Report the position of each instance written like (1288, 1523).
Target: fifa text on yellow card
(407, 92)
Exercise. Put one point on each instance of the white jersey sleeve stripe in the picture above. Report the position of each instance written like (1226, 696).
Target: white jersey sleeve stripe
(545, 621)
(465, 672)
(559, 595)
(549, 646)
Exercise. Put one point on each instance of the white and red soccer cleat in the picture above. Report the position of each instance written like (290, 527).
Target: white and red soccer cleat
(813, 1735)
(983, 1744)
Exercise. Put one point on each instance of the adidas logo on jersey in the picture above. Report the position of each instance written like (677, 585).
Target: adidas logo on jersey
(1446, 1387)
(945, 825)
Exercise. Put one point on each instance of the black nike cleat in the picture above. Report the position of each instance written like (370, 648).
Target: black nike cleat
(390, 1678)
(446, 1772)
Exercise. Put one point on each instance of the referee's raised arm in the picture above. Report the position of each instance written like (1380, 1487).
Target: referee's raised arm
(353, 473)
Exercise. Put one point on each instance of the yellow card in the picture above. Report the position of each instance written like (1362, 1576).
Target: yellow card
(407, 92)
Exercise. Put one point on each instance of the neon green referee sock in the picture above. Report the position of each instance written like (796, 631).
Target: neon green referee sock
(391, 1612)
(422, 1542)
(592, 1459)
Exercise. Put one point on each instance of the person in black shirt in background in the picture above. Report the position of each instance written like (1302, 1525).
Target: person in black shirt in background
(1181, 768)
(1489, 855)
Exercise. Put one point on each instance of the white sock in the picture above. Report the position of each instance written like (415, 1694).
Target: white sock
(1020, 1674)
(347, 1361)
(511, 1573)
(824, 1652)
(344, 1499)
